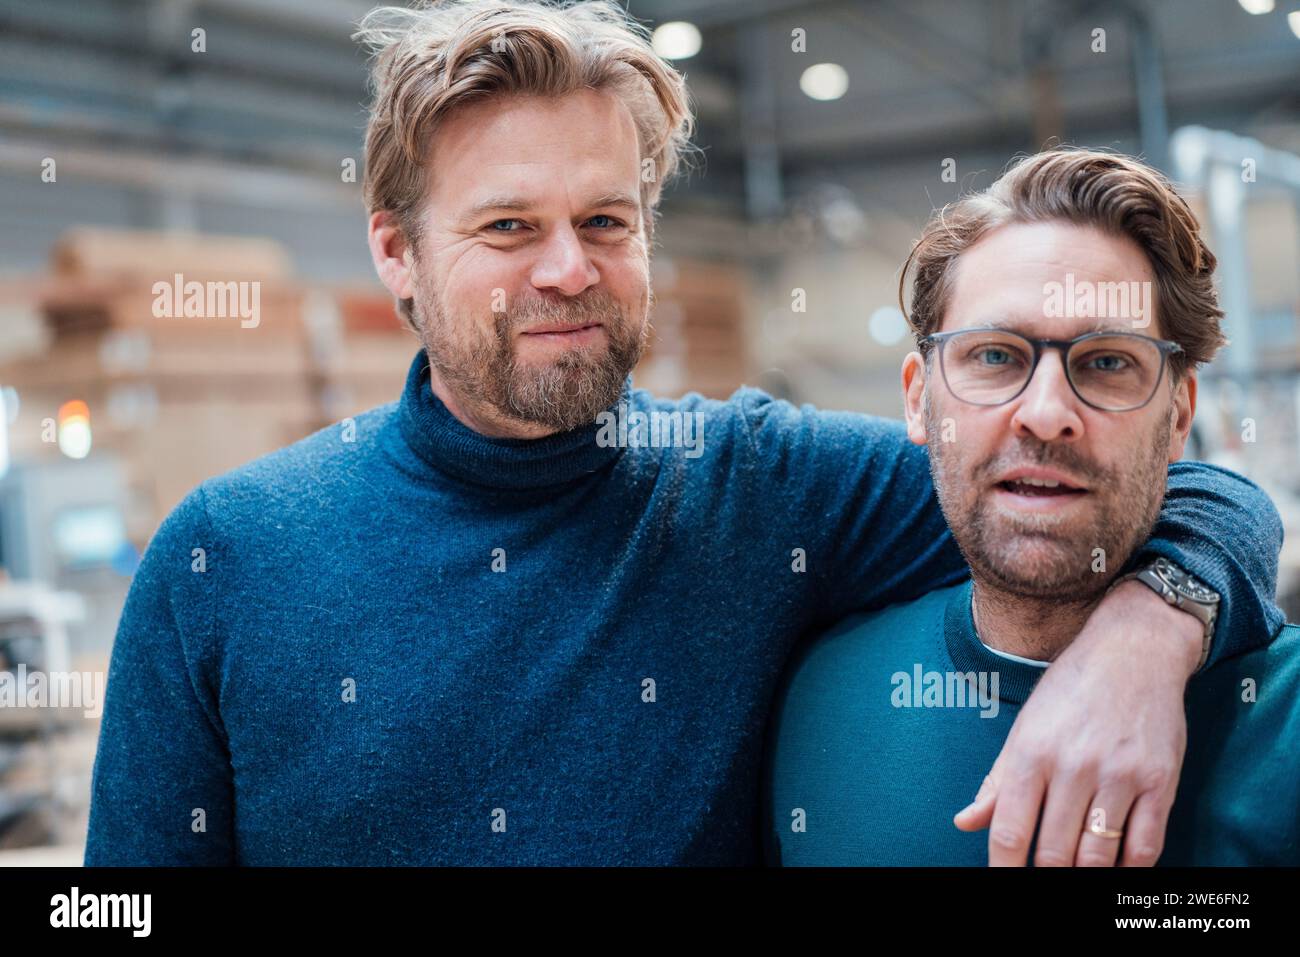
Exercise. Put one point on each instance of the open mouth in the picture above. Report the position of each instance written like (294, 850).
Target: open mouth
(1042, 486)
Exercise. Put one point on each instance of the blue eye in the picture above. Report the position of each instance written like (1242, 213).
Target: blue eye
(496, 226)
(1109, 363)
(998, 357)
(609, 221)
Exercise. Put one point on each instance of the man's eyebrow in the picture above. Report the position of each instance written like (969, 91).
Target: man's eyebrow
(502, 203)
(1000, 323)
(625, 200)
(1015, 325)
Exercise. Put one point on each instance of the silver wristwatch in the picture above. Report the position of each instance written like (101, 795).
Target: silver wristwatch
(1184, 592)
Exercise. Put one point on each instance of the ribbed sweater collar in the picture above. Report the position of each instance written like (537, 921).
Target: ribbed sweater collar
(1015, 679)
(442, 441)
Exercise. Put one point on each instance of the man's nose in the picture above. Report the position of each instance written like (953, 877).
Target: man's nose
(564, 265)
(1048, 409)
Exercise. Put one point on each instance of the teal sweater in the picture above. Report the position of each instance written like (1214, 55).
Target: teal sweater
(878, 762)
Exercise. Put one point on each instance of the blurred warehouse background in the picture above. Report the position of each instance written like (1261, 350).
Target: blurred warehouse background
(830, 129)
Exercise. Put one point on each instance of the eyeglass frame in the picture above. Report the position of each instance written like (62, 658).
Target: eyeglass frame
(1167, 348)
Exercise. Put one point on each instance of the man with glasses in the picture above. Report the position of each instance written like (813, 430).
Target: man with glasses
(1049, 431)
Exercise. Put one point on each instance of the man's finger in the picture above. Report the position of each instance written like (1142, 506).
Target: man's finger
(1144, 838)
(1109, 815)
(1066, 806)
(979, 813)
(1015, 818)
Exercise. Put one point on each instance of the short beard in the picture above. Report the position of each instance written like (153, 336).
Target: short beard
(989, 541)
(561, 395)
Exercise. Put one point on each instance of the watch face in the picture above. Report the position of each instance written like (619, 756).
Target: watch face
(1185, 584)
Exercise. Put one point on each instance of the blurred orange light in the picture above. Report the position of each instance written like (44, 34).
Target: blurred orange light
(73, 409)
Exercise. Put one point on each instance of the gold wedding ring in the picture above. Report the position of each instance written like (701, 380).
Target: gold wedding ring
(1103, 832)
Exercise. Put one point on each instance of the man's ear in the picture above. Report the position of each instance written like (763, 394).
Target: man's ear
(914, 397)
(392, 255)
(1183, 411)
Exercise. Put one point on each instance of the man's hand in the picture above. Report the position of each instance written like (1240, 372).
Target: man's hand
(1104, 732)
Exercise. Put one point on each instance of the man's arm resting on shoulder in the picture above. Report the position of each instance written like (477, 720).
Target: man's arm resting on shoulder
(161, 791)
(858, 499)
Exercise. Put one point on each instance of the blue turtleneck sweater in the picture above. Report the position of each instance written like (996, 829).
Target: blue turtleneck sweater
(401, 642)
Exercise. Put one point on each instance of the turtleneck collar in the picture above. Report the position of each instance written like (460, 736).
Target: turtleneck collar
(444, 442)
(1016, 679)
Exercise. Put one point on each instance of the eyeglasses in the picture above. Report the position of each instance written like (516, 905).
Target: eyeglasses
(1109, 371)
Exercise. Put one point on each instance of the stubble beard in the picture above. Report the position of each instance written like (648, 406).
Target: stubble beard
(1041, 556)
(564, 393)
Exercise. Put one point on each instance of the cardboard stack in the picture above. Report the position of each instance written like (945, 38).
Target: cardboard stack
(360, 349)
(699, 342)
(192, 353)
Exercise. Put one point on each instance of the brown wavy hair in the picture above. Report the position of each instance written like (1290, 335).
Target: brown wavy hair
(1108, 191)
